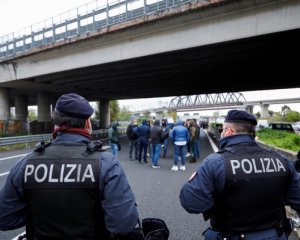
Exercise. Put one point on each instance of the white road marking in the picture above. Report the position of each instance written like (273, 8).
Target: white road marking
(21, 155)
(6, 158)
(213, 145)
(3, 174)
(16, 238)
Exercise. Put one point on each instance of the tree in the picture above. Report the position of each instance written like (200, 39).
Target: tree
(276, 117)
(284, 110)
(113, 109)
(258, 115)
(32, 115)
(173, 114)
(271, 113)
(292, 116)
(124, 114)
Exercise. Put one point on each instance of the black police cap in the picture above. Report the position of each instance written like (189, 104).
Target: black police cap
(237, 116)
(73, 105)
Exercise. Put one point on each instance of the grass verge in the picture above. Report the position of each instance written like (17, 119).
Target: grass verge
(281, 139)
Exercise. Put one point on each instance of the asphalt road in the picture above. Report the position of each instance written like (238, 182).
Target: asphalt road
(156, 191)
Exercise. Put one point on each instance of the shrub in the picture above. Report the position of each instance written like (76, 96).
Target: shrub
(282, 139)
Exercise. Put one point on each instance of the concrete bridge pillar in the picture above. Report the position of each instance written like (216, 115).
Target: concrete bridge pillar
(44, 101)
(104, 113)
(4, 104)
(249, 109)
(264, 110)
(21, 104)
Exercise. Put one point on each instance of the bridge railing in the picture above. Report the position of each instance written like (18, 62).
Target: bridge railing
(89, 17)
(97, 134)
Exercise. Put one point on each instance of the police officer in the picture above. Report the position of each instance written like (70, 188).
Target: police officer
(243, 188)
(70, 189)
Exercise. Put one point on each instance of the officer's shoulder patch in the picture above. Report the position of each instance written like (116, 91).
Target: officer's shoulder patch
(193, 176)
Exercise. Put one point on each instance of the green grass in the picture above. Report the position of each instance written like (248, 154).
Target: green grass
(281, 139)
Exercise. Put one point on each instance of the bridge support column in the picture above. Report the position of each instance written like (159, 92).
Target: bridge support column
(4, 104)
(104, 113)
(264, 110)
(249, 109)
(21, 104)
(43, 100)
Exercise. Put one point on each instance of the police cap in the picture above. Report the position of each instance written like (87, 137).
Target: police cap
(237, 116)
(73, 105)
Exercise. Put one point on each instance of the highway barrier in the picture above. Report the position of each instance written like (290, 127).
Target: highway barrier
(96, 134)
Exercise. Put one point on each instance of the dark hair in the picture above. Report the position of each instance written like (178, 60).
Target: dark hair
(68, 121)
(244, 128)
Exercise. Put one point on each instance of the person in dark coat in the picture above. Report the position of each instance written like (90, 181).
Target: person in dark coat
(243, 188)
(166, 132)
(143, 139)
(71, 188)
(156, 136)
(132, 136)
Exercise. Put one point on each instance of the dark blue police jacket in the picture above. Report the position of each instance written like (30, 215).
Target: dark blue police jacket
(198, 195)
(120, 212)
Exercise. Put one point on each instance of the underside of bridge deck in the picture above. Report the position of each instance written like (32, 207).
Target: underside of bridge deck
(257, 63)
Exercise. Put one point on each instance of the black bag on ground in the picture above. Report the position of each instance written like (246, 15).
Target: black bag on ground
(155, 229)
(151, 229)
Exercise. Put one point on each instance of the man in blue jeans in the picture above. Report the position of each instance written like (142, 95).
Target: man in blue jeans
(194, 141)
(113, 137)
(143, 132)
(180, 136)
(156, 135)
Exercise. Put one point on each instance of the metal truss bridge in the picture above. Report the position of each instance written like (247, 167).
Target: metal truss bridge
(207, 101)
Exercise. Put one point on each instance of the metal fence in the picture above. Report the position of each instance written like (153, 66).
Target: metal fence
(24, 139)
(86, 18)
(97, 134)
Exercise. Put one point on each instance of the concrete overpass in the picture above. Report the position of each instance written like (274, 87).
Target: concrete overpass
(199, 47)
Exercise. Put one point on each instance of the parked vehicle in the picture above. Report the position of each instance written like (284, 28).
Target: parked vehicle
(296, 126)
(262, 123)
(282, 126)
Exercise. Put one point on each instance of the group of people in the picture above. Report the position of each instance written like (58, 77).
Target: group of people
(185, 138)
(73, 189)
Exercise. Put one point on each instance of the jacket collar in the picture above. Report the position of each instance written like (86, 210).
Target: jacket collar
(68, 137)
(236, 139)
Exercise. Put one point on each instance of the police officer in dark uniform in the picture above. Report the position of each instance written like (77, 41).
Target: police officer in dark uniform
(243, 188)
(70, 189)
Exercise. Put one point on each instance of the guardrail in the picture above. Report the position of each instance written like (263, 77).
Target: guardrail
(24, 139)
(84, 19)
(97, 134)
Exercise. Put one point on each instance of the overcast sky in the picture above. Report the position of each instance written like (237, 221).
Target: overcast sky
(249, 96)
(19, 14)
